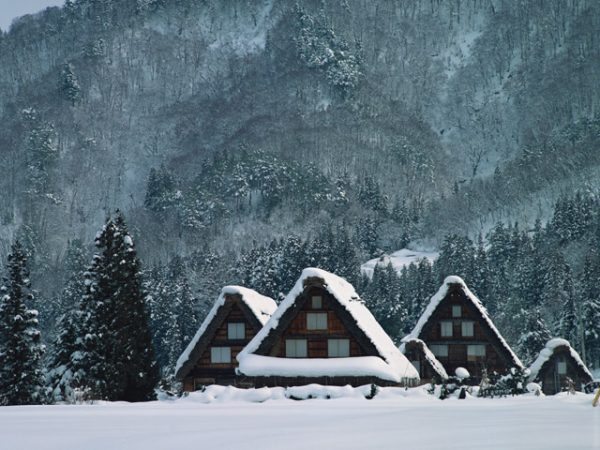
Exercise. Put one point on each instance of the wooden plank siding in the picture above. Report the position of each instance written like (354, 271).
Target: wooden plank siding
(493, 361)
(206, 372)
(553, 382)
(317, 340)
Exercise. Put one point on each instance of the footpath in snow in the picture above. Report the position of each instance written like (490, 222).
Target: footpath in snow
(264, 419)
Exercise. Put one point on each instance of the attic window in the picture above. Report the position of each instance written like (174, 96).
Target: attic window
(296, 348)
(439, 350)
(316, 302)
(446, 329)
(561, 367)
(475, 352)
(316, 321)
(456, 311)
(338, 348)
(220, 355)
(236, 331)
(467, 328)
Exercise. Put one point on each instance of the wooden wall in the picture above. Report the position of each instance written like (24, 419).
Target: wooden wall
(552, 382)
(206, 372)
(457, 344)
(317, 339)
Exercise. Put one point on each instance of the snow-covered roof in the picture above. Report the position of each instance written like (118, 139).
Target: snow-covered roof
(261, 307)
(429, 356)
(392, 365)
(399, 259)
(437, 299)
(547, 353)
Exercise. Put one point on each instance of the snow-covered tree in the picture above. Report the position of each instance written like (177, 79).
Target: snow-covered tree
(21, 375)
(534, 337)
(69, 84)
(115, 358)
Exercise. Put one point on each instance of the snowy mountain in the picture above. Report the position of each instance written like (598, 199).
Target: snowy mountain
(235, 134)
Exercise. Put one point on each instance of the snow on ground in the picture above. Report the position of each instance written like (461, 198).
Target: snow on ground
(398, 259)
(395, 419)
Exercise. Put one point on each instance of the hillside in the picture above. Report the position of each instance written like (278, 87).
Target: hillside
(218, 125)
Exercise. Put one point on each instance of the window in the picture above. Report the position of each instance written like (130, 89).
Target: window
(338, 348)
(475, 351)
(456, 311)
(467, 329)
(236, 331)
(446, 328)
(417, 366)
(220, 355)
(316, 321)
(316, 302)
(561, 367)
(295, 348)
(439, 350)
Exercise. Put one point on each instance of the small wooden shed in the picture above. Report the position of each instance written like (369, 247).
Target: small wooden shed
(556, 364)
(425, 362)
(323, 333)
(210, 358)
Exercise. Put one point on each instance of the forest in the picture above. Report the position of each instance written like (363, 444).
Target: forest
(243, 141)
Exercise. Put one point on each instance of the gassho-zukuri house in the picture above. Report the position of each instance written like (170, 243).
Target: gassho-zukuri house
(556, 363)
(455, 331)
(323, 333)
(235, 318)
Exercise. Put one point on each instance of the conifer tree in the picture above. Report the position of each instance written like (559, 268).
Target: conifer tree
(69, 84)
(116, 358)
(567, 323)
(21, 375)
(534, 337)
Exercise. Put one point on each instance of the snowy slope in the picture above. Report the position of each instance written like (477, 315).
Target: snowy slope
(399, 259)
(395, 419)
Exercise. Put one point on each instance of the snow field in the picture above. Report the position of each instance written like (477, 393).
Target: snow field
(395, 419)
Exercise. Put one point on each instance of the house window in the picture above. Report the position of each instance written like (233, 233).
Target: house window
(316, 302)
(456, 311)
(417, 366)
(220, 355)
(467, 329)
(440, 350)
(338, 348)
(446, 328)
(316, 321)
(561, 367)
(475, 351)
(236, 331)
(296, 348)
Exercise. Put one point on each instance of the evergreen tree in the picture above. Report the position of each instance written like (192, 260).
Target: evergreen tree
(69, 84)
(567, 323)
(115, 360)
(534, 337)
(68, 307)
(21, 376)
(590, 309)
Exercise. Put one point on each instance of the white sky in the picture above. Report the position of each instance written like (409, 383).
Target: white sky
(9, 9)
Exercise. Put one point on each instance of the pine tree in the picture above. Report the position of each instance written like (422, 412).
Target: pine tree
(21, 376)
(69, 84)
(115, 360)
(567, 323)
(590, 309)
(534, 337)
(68, 306)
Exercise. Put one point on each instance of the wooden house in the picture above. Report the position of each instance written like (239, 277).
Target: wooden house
(323, 333)
(556, 364)
(424, 361)
(459, 332)
(210, 358)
